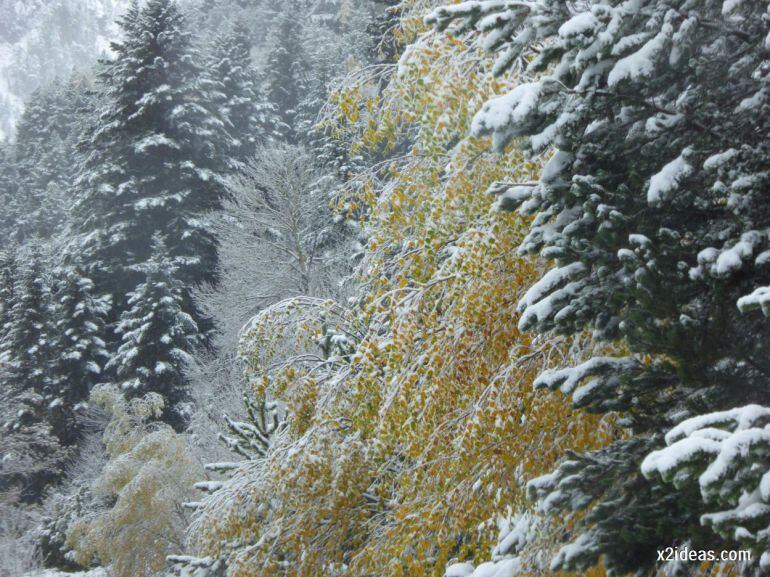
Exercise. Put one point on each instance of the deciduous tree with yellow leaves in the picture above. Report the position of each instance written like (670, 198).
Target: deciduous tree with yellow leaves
(149, 476)
(412, 424)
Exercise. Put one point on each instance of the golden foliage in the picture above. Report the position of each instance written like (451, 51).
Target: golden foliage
(402, 452)
(149, 475)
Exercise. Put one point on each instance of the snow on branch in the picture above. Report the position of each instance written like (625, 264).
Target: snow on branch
(726, 454)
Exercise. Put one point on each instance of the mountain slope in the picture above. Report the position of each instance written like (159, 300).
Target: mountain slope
(43, 39)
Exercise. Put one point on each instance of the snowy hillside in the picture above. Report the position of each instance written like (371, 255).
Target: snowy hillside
(43, 39)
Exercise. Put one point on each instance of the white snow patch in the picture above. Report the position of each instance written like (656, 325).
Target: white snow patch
(665, 182)
(641, 63)
(459, 570)
(579, 25)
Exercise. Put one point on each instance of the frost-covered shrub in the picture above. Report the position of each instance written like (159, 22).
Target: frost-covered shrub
(74, 499)
(149, 476)
(17, 542)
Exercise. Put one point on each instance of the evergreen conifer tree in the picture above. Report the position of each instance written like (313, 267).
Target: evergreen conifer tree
(8, 268)
(46, 155)
(157, 336)
(80, 350)
(9, 187)
(654, 210)
(155, 157)
(251, 117)
(33, 455)
(34, 157)
(287, 70)
(27, 343)
(383, 45)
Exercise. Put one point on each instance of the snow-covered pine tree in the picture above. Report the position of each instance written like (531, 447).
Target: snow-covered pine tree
(155, 156)
(250, 439)
(26, 348)
(251, 117)
(46, 156)
(654, 210)
(727, 455)
(288, 68)
(35, 128)
(43, 39)
(51, 345)
(36, 154)
(156, 336)
(32, 456)
(9, 187)
(80, 350)
(8, 267)
(302, 72)
(383, 45)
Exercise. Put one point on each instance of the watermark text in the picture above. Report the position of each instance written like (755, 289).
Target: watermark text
(687, 554)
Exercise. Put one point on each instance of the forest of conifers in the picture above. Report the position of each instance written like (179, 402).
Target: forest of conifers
(382, 288)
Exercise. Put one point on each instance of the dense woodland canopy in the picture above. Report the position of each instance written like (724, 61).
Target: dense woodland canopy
(376, 288)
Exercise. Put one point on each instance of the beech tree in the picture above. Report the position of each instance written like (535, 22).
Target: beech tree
(402, 442)
(149, 475)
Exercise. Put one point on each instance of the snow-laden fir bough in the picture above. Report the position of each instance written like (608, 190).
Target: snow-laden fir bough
(653, 210)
